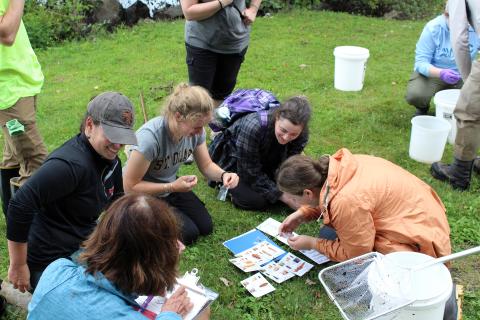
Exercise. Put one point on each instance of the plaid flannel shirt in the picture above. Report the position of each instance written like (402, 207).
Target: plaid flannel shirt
(254, 153)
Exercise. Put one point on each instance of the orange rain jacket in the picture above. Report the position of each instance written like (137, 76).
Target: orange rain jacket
(375, 205)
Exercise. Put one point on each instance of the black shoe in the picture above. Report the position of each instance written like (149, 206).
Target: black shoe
(3, 305)
(421, 112)
(476, 165)
(457, 174)
(5, 193)
(213, 184)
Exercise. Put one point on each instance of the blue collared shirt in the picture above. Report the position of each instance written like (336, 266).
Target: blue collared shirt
(434, 47)
(65, 291)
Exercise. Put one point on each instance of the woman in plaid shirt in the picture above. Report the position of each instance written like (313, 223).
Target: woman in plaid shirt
(255, 152)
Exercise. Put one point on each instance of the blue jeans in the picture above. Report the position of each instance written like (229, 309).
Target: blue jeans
(328, 233)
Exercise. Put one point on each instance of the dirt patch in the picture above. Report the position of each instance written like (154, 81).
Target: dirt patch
(465, 272)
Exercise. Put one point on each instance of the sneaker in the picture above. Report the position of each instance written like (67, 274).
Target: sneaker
(15, 297)
(189, 160)
(128, 150)
(213, 184)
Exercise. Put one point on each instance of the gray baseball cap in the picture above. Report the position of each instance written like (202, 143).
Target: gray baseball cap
(116, 115)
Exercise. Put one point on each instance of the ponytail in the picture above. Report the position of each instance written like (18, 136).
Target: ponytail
(321, 165)
(300, 172)
(189, 101)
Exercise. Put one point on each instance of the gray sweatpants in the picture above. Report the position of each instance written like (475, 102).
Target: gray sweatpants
(421, 89)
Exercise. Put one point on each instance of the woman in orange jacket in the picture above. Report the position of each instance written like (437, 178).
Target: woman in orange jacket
(370, 203)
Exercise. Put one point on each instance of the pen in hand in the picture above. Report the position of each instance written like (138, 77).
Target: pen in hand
(145, 303)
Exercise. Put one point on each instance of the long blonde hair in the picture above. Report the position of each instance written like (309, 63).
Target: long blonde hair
(189, 101)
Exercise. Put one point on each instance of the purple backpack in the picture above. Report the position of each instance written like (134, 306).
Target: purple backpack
(242, 102)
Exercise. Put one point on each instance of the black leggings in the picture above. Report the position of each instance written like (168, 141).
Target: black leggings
(244, 197)
(193, 216)
(34, 278)
(216, 72)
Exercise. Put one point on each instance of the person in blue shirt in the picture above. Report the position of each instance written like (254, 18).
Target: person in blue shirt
(435, 68)
(134, 250)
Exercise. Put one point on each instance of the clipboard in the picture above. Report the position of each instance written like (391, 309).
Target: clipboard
(200, 296)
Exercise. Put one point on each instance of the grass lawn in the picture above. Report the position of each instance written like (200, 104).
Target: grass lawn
(289, 54)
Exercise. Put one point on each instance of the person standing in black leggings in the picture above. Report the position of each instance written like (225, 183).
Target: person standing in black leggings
(217, 34)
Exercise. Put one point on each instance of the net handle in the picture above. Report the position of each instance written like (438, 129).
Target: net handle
(450, 257)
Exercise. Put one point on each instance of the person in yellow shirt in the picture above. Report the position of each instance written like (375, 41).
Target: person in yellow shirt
(21, 79)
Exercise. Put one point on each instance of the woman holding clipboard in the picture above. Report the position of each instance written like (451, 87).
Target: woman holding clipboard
(134, 250)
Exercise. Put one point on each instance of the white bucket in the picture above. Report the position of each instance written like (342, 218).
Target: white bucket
(350, 65)
(428, 138)
(445, 102)
(432, 288)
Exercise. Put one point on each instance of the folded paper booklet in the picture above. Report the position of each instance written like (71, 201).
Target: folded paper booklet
(255, 257)
(296, 265)
(257, 285)
(315, 256)
(245, 264)
(271, 226)
(277, 272)
(288, 267)
(200, 296)
(246, 241)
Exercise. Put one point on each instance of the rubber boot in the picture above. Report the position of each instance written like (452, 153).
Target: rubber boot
(5, 193)
(458, 174)
(476, 165)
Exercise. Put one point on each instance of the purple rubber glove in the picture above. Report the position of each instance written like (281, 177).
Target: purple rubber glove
(449, 76)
